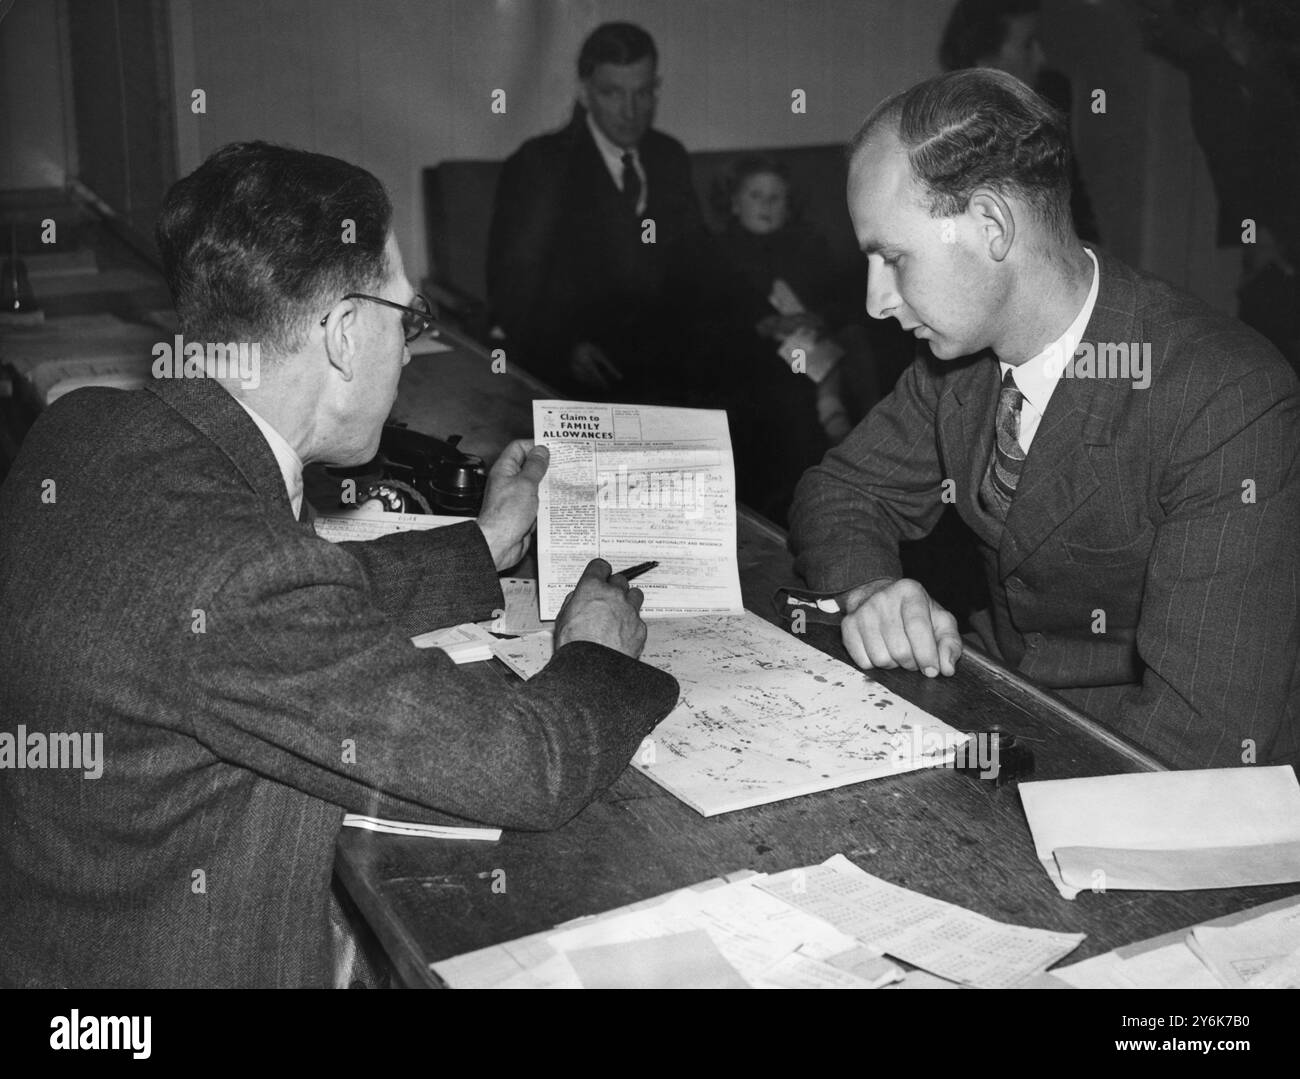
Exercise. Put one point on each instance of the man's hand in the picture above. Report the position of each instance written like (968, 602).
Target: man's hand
(895, 623)
(604, 610)
(510, 501)
(590, 366)
(779, 327)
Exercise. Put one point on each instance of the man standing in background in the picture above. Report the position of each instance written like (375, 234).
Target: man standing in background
(596, 234)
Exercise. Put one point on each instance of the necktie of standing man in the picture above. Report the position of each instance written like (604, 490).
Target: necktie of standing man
(1008, 458)
(631, 181)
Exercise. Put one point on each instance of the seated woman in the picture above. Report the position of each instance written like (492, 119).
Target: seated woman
(777, 369)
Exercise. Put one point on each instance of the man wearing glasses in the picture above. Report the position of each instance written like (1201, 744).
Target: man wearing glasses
(250, 683)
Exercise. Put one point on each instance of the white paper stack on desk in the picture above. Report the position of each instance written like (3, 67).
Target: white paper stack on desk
(1253, 949)
(1167, 831)
(827, 926)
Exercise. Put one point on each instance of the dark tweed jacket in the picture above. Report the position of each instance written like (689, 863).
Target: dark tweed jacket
(1133, 502)
(203, 854)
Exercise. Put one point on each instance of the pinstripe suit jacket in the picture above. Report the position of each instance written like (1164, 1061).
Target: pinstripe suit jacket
(1174, 511)
(203, 854)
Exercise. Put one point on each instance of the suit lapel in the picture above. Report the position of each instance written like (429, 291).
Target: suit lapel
(1059, 475)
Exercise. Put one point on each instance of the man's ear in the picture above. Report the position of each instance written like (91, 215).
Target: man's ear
(995, 220)
(343, 338)
(584, 94)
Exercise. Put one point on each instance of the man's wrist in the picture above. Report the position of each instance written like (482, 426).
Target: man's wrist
(856, 597)
(496, 547)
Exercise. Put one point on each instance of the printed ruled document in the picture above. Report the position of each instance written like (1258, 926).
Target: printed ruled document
(638, 483)
(367, 523)
(711, 936)
(940, 937)
(1262, 952)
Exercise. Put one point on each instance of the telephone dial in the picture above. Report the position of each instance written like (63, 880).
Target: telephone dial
(417, 473)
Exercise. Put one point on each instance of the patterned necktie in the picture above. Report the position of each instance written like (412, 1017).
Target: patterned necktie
(631, 181)
(1008, 458)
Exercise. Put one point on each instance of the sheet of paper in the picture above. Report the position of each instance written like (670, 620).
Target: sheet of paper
(1179, 870)
(1262, 952)
(467, 643)
(1173, 960)
(638, 483)
(687, 960)
(811, 355)
(1203, 810)
(411, 828)
(367, 523)
(798, 971)
(531, 962)
(940, 937)
(525, 655)
(764, 716)
(1169, 965)
(519, 616)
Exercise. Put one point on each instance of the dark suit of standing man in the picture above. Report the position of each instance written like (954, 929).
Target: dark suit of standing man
(249, 682)
(1138, 531)
(585, 300)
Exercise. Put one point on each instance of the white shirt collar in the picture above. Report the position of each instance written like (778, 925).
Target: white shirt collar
(1036, 378)
(285, 456)
(612, 154)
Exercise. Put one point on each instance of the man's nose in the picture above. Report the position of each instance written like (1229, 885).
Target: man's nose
(881, 295)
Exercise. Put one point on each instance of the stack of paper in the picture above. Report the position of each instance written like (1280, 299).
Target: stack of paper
(717, 936)
(1167, 831)
(1254, 949)
(468, 643)
(944, 939)
(829, 926)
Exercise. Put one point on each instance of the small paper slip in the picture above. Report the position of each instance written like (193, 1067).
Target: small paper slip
(365, 523)
(1259, 951)
(519, 616)
(467, 643)
(425, 831)
(1167, 831)
(784, 299)
(811, 355)
(945, 939)
(525, 655)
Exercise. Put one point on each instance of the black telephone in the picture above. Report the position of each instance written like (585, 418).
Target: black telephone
(417, 473)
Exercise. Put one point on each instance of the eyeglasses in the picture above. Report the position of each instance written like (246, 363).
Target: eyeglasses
(415, 320)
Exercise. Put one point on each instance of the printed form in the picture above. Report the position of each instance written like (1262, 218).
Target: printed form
(638, 483)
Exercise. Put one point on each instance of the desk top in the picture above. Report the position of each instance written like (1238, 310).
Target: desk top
(934, 831)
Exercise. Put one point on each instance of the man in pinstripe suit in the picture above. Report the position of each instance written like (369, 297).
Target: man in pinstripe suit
(1138, 521)
(160, 587)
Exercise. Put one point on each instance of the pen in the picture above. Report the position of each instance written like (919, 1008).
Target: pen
(636, 570)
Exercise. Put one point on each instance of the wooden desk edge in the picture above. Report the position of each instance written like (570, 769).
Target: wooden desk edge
(1007, 683)
(399, 944)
